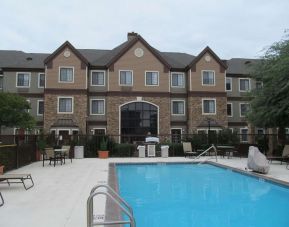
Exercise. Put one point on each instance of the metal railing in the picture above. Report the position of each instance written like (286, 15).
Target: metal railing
(120, 202)
(206, 151)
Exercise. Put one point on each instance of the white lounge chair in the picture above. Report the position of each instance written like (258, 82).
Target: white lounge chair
(187, 147)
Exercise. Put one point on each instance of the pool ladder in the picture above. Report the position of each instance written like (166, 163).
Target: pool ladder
(206, 151)
(120, 202)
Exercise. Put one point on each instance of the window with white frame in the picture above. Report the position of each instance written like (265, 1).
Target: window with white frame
(229, 109)
(23, 79)
(228, 84)
(176, 134)
(125, 77)
(260, 131)
(97, 107)
(66, 74)
(99, 131)
(244, 134)
(259, 85)
(41, 80)
(244, 108)
(97, 78)
(208, 77)
(152, 78)
(40, 107)
(1, 82)
(244, 84)
(178, 79)
(209, 106)
(178, 107)
(65, 105)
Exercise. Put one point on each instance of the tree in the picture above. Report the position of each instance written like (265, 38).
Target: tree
(13, 112)
(270, 104)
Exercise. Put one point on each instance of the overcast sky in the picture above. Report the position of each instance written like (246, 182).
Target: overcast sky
(232, 28)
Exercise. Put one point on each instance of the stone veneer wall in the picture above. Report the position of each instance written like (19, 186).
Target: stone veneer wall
(195, 112)
(78, 116)
(113, 103)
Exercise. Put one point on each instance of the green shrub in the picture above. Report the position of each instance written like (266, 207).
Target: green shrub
(122, 150)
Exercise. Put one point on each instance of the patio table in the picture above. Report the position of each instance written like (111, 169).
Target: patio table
(59, 152)
(227, 150)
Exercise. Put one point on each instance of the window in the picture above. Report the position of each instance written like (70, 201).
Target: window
(259, 85)
(66, 74)
(178, 80)
(125, 78)
(99, 131)
(29, 103)
(41, 80)
(244, 134)
(97, 78)
(244, 84)
(178, 107)
(208, 78)
(23, 80)
(228, 84)
(152, 78)
(260, 131)
(176, 134)
(97, 107)
(244, 108)
(40, 107)
(229, 110)
(65, 105)
(1, 82)
(209, 106)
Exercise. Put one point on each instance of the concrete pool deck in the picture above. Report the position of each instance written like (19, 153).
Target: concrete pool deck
(59, 196)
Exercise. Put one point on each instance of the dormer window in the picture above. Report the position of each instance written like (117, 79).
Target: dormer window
(208, 77)
(66, 74)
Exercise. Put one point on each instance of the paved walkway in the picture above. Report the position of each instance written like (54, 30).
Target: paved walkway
(59, 196)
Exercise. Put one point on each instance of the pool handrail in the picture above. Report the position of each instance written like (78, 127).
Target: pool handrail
(204, 152)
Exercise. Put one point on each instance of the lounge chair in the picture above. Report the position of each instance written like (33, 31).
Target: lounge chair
(283, 158)
(187, 147)
(17, 179)
(2, 200)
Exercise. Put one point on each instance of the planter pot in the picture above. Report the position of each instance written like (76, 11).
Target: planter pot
(78, 152)
(1, 170)
(102, 154)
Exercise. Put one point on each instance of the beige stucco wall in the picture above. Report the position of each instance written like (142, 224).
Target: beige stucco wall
(196, 77)
(52, 74)
(148, 62)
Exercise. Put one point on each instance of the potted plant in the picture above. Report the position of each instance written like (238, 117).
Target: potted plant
(103, 151)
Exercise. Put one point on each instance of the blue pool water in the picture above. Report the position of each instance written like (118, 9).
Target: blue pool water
(185, 195)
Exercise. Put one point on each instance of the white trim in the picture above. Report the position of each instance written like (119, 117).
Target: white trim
(38, 101)
(72, 104)
(29, 75)
(66, 67)
(93, 133)
(244, 141)
(90, 106)
(181, 129)
(246, 103)
(152, 85)
(126, 70)
(209, 99)
(231, 82)
(97, 85)
(190, 79)
(119, 115)
(207, 130)
(240, 84)
(183, 74)
(178, 100)
(230, 103)
(214, 74)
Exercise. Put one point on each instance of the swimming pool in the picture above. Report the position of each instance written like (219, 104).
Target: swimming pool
(185, 195)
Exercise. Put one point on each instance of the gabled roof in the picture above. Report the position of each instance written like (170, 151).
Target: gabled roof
(207, 50)
(119, 51)
(63, 46)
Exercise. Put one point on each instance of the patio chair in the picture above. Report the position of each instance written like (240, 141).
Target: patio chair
(50, 155)
(17, 179)
(66, 153)
(187, 147)
(2, 200)
(283, 158)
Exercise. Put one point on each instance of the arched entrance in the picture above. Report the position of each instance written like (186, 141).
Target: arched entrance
(137, 119)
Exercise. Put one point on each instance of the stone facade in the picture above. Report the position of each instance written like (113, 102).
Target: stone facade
(113, 105)
(79, 111)
(196, 118)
